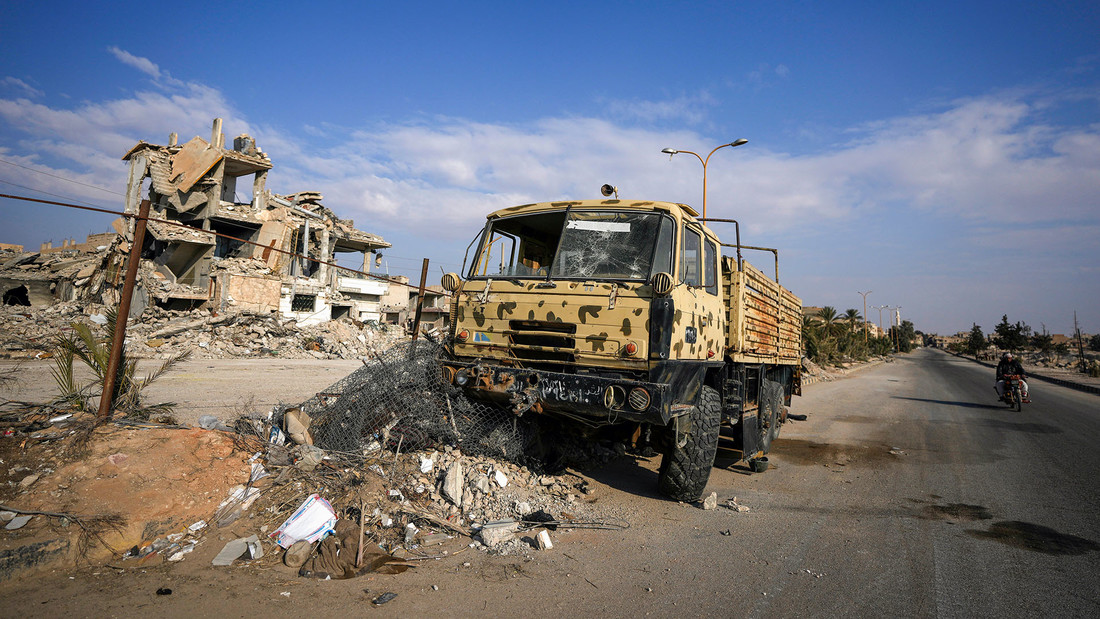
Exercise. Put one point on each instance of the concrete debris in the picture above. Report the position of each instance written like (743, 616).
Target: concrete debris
(735, 506)
(496, 533)
(453, 484)
(543, 540)
(711, 502)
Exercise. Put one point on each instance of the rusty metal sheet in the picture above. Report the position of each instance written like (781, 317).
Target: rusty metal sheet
(192, 162)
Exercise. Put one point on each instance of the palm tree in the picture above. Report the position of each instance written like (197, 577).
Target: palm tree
(852, 317)
(830, 321)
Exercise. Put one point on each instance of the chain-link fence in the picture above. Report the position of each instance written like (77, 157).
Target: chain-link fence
(400, 401)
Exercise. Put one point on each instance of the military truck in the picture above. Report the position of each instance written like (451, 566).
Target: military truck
(626, 313)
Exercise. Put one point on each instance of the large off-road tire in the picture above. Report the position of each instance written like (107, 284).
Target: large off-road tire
(684, 471)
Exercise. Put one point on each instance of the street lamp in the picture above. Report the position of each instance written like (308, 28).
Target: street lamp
(880, 308)
(672, 151)
(864, 313)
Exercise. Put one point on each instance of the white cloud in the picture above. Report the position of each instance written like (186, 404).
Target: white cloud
(982, 160)
(688, 109)
(18, 84)
(144, 65)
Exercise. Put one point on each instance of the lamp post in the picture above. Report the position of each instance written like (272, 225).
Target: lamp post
(879, 308)
(864, 313)
(672, 151)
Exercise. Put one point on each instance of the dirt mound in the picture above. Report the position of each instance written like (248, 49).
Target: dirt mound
(123, 487)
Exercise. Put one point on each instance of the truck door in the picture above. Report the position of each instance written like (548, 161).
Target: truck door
(698, 326)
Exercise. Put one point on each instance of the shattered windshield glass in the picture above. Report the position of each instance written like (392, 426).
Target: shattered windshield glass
(612, 245)
(577, 245)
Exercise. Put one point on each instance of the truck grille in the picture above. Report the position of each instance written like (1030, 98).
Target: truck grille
(533, 340)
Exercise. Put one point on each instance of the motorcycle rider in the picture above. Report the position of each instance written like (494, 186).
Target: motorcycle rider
(1010, 365)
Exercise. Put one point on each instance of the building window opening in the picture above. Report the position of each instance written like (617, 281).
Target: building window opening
(341, 311)
(19, 295)
(231, 248)
(303, 302)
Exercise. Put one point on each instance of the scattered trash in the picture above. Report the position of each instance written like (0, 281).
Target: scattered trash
(298, 553)
(296, 424)
(18, 522)
(727, 532)
(310, 522)
(198, 526)
(500, 478)
(210, 422)
(164, 591)
(426, 465)
(382, 599)
(309, 457)
(242, 548)
(711, 502)
(285, 594)
(179, 554)
(435, 538)
(897, 451)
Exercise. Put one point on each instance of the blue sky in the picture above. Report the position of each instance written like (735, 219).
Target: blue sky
(945, 155)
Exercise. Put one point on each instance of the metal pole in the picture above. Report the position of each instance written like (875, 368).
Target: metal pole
(106, 398)
(420, 299)
(864, 313)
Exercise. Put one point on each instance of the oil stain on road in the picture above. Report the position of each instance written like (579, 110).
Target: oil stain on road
(1036, 538)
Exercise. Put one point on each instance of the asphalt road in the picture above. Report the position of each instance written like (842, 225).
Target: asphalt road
(909, 492)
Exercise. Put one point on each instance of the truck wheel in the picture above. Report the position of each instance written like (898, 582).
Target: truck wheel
(685, 470)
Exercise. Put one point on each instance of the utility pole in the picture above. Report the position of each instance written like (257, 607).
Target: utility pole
(864, 313)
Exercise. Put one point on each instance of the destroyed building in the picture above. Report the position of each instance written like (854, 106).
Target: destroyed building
(236, 255)
(201, 184)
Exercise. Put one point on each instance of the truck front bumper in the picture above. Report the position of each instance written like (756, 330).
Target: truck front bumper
(593, 398)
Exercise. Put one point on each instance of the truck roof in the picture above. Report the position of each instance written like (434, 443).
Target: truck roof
(645, 205)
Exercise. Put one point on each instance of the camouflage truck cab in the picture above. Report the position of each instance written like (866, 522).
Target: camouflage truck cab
(625, 312)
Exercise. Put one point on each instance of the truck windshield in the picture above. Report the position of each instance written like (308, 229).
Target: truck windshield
(587, 245)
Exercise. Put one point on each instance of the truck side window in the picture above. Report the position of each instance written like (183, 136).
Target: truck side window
(711, 268)
(690, 257)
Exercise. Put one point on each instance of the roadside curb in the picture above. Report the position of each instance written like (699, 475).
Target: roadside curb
(813, 380)
(1057, 381)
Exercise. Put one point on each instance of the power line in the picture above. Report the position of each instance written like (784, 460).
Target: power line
(43, 192)
(69, 180)
(193, 228)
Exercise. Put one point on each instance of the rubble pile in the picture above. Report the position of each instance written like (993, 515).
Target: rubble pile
(159, 333)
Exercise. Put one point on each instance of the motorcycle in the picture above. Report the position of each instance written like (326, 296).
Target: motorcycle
(1014, 394)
